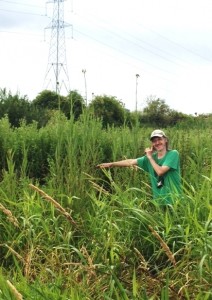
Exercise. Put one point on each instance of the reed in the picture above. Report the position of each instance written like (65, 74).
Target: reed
(102, 238)
(16, 294)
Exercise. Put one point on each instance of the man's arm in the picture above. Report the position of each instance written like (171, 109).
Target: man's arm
(121, 163)
(160, 170)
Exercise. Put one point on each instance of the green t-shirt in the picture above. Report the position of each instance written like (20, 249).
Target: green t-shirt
(166, 188)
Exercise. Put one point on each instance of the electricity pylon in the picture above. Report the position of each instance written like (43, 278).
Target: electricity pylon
(57, 71)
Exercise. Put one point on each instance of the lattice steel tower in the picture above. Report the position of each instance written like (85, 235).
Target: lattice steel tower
(57, 71)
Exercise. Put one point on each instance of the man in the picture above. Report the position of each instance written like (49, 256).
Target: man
(163, 166)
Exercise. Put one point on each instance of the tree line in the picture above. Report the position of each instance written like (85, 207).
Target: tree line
(109, 109)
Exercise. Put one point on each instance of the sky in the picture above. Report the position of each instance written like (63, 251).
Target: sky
(133, 50)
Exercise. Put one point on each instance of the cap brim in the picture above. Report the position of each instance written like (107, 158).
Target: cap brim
(156, 135)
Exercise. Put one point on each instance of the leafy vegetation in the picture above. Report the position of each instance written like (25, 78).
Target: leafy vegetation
(109, 109)
(72, 231)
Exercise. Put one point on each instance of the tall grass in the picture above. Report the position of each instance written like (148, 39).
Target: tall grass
(72, 231)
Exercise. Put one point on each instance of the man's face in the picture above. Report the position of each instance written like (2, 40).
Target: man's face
(159, 143)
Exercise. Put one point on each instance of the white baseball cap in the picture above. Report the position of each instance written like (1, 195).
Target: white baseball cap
(157, 133)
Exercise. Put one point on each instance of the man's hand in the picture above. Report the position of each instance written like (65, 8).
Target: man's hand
(149, 151)
(105, 165)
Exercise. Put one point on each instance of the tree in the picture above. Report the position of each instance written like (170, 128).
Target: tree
(75, 105)
(16, 107)
(72, 104)
(109, 109)
(47, 99)
(156, 112)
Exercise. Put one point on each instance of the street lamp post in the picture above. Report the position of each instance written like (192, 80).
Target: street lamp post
(86, 99)
(136, 93)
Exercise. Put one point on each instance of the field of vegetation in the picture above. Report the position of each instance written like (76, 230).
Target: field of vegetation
(70, 231)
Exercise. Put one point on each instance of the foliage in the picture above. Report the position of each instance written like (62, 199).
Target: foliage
(47, 99)
(73, 104)
(120, 245)
(109, 110)
(17, 108)
(199, 122)
(157, 113)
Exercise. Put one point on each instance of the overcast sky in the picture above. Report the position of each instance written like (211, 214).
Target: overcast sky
(167, 42)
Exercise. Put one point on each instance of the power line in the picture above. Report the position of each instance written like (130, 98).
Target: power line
(20, 33)
(93, 19)
(22, 12)
(21, 3)
(118, 50)
(134, 65)
(137, 44)
(177, 44)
